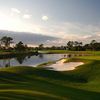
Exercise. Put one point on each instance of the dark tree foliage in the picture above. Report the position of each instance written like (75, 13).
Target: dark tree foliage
(78, 46)
(6, 41)
(20, 46)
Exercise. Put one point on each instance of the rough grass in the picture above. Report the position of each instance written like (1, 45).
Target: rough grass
(28, 83)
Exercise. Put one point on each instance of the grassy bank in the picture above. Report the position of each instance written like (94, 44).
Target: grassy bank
(46, 64)
(28, 83)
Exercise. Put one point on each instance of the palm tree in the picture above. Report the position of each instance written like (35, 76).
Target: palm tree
(70, 45)
(78, 45)
(92, 44)
(20, 46)
(41, 46)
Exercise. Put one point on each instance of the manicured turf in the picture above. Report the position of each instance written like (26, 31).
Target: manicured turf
(28, 83)
(71, 52)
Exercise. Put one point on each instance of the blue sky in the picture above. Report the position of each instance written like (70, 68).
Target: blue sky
(68, 19)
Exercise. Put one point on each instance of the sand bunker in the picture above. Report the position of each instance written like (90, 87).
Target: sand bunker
(61, 66)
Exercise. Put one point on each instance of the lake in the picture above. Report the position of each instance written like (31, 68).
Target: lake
(30, 60)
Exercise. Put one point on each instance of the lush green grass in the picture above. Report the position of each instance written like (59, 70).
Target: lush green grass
(71, 52)
(27, 83)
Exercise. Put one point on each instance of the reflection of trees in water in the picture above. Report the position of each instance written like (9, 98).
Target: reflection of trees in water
(6, 63)
(29, 57)
(21, 59)
(41, 56)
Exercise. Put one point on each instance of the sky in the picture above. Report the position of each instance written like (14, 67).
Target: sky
(66, 19)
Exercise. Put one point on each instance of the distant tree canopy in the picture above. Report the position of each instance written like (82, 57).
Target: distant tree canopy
(6, 41)
(20, 46)
(74, 45)
(78, 46)
(41, 46)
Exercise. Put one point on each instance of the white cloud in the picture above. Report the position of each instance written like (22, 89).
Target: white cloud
(15, 10)
(71, 31)
(64, 30)
(45, 18)
(86, 36)
(27, 16)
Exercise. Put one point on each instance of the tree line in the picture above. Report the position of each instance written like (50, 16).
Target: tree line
(5, 44)
(79, 46)
(74, 46)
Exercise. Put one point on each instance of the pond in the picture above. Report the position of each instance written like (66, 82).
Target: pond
(30, 60)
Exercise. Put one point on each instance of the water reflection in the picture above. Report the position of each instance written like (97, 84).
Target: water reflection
(29, 60)
(41, 56)
(6, 63)
(21, 59)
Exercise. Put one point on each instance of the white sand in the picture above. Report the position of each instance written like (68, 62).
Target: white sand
(61, 66)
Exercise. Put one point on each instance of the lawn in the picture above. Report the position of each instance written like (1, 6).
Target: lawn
(70, 52)
(29, 83)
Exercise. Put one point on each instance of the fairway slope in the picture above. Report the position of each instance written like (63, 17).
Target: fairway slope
(29, 83)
